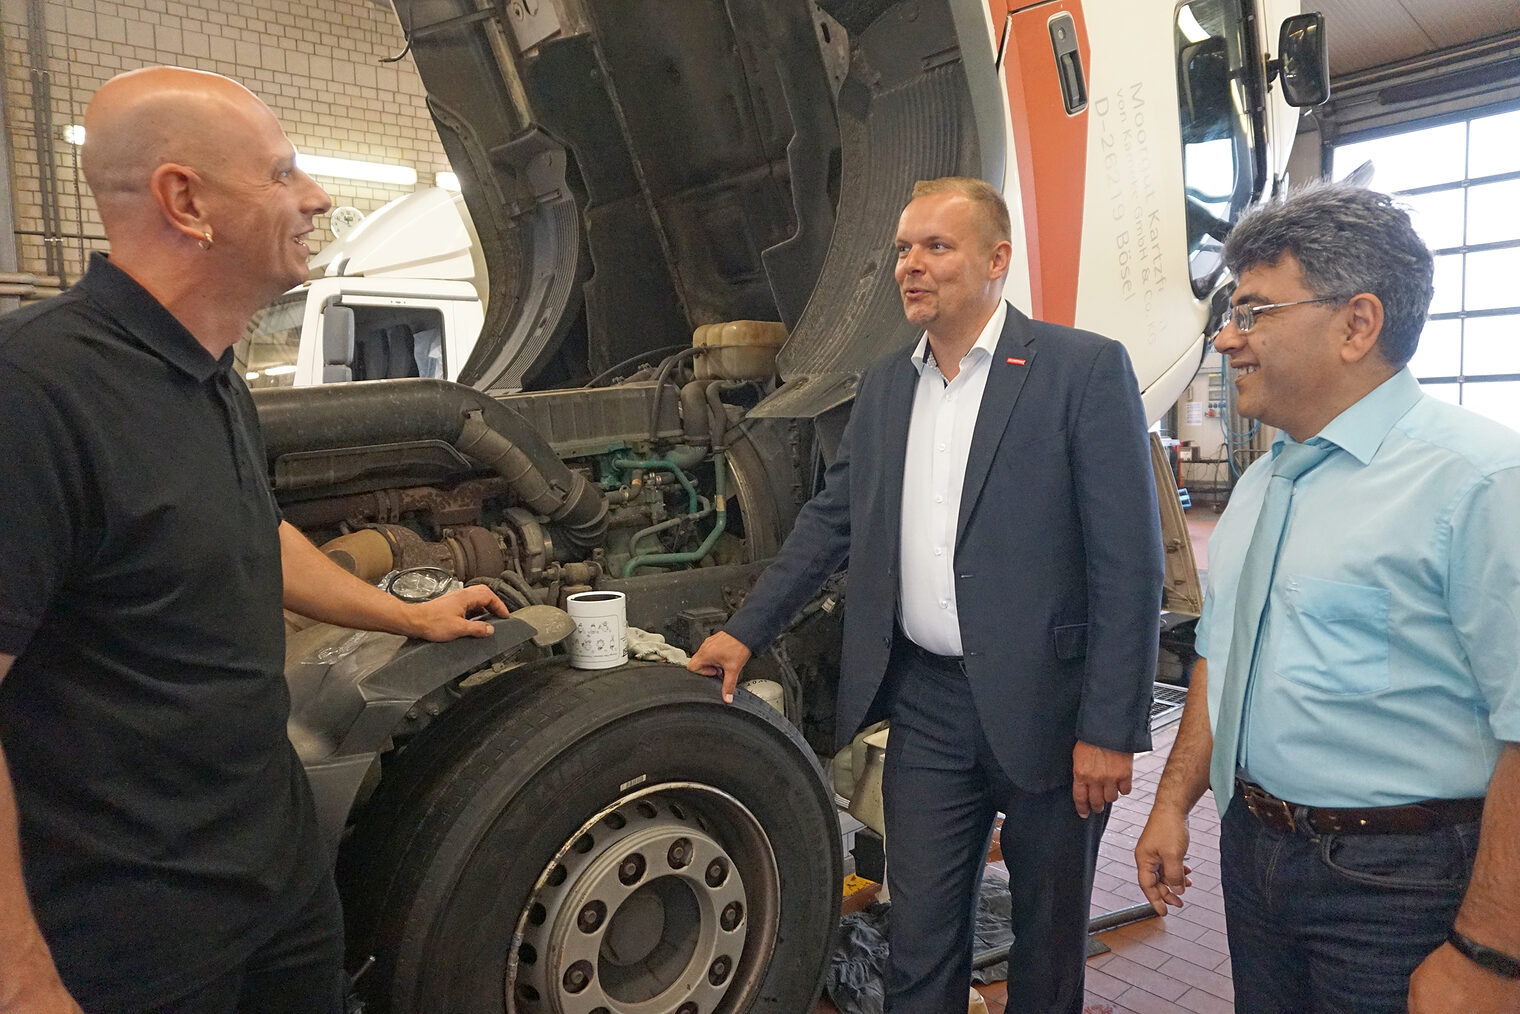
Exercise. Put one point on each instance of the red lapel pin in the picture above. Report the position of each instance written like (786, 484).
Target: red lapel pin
(1015, 362)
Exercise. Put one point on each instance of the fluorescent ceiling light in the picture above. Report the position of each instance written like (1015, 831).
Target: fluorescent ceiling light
(351, 169)
(74, 134)
(276, 371)
(448, 181)
(251, 375)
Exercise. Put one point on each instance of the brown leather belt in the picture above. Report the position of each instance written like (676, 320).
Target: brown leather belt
(1411, 818)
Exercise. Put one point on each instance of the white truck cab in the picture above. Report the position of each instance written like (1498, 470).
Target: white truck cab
(393, 297)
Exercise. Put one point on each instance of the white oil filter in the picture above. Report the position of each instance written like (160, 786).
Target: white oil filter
(600, 640)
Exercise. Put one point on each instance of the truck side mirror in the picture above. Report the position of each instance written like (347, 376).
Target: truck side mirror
(337, 344)
(1302, 61)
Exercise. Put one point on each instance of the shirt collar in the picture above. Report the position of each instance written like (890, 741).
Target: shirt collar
(1361, 429)
(137, 312)
(986, 342)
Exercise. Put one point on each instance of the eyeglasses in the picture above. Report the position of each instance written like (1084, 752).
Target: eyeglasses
(1244, 317)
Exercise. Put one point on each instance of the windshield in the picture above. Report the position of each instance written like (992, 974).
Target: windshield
(1218, 138)
(266, 354)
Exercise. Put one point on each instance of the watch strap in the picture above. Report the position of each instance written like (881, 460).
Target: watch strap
(1486, 957)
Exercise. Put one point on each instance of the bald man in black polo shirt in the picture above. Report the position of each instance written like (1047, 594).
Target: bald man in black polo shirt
(166, 838)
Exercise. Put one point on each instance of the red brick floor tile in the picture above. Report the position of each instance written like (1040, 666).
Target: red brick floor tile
(1217, 940)
(1202, 917)
(1149, 979)
(1144, 1002)
(1098, 1005)
(1199, 977)
(1101, 984)
(1135, 950)
(1170, 943)
(1203, 1002)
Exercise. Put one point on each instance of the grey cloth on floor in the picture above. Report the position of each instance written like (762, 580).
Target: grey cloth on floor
(855, 981)
(994, 919)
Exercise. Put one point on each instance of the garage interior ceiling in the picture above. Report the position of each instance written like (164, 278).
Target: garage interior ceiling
(1370, 33)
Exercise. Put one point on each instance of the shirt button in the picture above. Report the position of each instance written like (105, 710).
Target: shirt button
(939, 552)
(939, 499)
(942, 447)
(944, 603)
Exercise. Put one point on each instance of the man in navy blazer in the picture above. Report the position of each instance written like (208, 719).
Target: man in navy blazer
(993, 497)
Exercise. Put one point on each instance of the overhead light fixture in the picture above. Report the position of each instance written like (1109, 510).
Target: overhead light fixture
(448, 181)
(352, 169)
(281, 370)
(74, 134)
(251, 375)
(1187, 21)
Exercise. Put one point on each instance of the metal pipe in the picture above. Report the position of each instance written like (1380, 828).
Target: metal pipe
(665, 464)
(660, 526)
(42, 132)
(720, 507)
(1100, 924)
(8, 252)
(343, 416)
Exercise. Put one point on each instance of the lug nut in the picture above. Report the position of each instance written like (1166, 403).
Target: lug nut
(578, 976)
(717, 872)
(719, 971)
(632, 870)
(590, 918)
(731, 916)
(680, 853)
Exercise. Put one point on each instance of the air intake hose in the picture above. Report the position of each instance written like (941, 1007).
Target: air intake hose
(334, 416)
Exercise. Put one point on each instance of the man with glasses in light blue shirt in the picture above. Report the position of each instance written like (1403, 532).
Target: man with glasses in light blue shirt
(1356, 705)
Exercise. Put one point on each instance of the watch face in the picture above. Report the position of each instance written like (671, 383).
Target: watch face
(344, 219)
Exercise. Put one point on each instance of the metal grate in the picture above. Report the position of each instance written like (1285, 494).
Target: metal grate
(1166, 705)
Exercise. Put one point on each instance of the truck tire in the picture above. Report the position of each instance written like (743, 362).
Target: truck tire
(596, 842)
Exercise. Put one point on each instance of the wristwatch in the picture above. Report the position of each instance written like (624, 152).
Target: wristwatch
(1486, 957)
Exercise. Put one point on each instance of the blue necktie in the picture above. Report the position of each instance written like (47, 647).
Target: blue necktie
(1250, 603)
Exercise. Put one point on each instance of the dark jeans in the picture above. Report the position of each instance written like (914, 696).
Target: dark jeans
(298, 971)
(941, 789)
(1335, 924)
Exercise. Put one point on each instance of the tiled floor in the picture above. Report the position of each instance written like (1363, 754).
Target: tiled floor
(1177, 964)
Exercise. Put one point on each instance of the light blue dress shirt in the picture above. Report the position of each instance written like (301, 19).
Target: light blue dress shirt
(1389, 670)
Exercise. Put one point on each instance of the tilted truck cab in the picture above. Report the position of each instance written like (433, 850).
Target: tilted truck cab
(514, 834)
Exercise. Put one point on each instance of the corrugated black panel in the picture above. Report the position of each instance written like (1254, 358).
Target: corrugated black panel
(919, 130)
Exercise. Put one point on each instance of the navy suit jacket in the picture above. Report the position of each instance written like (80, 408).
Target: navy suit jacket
(1058, 558)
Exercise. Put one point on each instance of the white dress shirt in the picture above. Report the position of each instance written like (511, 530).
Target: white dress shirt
(939, 439)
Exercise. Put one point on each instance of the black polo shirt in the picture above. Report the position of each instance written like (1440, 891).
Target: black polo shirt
(166, 824)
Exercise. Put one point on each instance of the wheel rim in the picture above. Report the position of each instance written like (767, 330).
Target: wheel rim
(666, 901)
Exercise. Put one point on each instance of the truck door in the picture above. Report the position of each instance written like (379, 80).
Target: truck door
(398, 337)
(1119, 111)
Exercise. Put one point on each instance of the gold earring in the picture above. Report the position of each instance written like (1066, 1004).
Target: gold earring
(205, 244)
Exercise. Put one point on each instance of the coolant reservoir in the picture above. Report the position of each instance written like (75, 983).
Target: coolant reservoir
(738, 349)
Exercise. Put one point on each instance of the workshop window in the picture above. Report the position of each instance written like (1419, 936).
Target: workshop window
(1461, 183)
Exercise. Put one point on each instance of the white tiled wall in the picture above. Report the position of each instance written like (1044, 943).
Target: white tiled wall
(317, 65)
